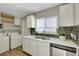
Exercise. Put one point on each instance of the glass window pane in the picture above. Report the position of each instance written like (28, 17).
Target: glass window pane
(40, 25)
(51, 24)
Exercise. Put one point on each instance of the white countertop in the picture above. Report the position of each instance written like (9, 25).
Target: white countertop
(69, 43)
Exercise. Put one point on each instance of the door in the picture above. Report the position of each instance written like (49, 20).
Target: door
(17, 21)
(66, 15)
(34, 47)
(15, 40)
(4, 44)
(26, 45)
(19, 40)
(31, 21)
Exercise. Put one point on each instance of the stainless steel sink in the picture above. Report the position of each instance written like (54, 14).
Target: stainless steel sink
(43, 38)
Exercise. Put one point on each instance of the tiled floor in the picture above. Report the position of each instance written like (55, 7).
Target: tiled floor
(14, 52)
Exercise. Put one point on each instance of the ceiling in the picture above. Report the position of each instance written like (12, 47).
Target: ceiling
(22, 9)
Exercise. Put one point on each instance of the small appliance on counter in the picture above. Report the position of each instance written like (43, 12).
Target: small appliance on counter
(1, 25)
(32, 31)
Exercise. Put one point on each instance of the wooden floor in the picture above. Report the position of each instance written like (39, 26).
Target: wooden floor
(14, 52)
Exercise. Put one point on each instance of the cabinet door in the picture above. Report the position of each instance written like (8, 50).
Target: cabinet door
(17, 21)
(26, 45)
(34, 47)
(44, 49)
(14, 42)
(58, 52)
(66, 15)
(31, 21)
(19, 39)
(76, 14)
(28, 22)
(4, 44)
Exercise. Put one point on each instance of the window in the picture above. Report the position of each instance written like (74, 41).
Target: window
(47, 25)
(51, 25)
(40, 25)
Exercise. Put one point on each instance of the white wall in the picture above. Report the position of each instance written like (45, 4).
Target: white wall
(48, 12)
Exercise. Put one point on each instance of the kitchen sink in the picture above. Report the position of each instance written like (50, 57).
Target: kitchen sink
(43, 38)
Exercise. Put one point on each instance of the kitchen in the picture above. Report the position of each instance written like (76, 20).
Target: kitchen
(49, 29)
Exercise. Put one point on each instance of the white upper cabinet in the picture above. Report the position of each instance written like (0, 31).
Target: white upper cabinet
(66, 15)
(76, 14)
(17, 21)
(31, 21)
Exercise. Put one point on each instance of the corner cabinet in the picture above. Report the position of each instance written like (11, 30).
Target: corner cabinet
(17, 21)
(66, 15)
(31, 21)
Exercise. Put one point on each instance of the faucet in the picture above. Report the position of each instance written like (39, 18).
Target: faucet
(73, 36)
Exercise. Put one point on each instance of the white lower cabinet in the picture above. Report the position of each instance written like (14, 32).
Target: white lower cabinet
(36, 47)
(44, 49)
(26, 45)
(4, 44)
(15, 40)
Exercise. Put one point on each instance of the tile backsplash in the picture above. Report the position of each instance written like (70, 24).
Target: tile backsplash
(68, 31)
(73, 30)
(76, 32)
